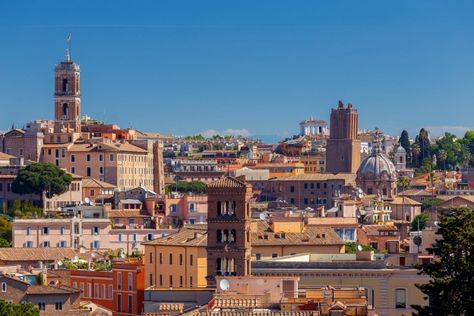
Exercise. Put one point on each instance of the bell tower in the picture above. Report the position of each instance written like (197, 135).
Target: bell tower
(67, 95)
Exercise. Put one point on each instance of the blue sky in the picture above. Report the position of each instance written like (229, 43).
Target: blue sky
(185, 67)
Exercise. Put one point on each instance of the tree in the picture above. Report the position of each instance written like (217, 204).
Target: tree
(403, 183)
(24, 309)
(351, 247)
(451, 288)
(415, 153)
(419, 222)
(423, 141)
(5, 231)
(405, 143)
(42, 179)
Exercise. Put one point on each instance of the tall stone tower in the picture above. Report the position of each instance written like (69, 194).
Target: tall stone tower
(67, 96)
(228, 228)
(343, 145)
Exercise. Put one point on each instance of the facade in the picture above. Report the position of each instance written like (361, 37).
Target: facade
(75, 233)
(305, 190)
(228, 227)
(313, 127)
(314, 162)
(380, 237)
(206, 170)
(185, 209)
(121, 164)
(390, 290)
(120, 290)
(22, 143)
(95, 190)
(277, 170)
(343, 145)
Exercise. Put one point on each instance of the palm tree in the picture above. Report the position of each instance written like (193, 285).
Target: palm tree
(443, 156)
(403, 184)
(432, 178)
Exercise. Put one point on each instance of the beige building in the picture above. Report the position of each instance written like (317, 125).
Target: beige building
(314, 162)
(119, 163)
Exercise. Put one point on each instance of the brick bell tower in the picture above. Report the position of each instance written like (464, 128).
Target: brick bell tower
(228, 229)
(343, 145)
(67, 95)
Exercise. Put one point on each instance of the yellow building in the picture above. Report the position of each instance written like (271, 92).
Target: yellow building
(180, 260)
(277, 170)
(314, 163)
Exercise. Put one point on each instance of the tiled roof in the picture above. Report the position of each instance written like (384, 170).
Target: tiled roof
(36, 254)
(311, 235)
(116, 146)
(4, 156)
(375, 229)
(227, 182)
(188, 235)
(50, 289)
(95, 183)
(414, 192)
(400, 200)
(127, 213)
(348, 177)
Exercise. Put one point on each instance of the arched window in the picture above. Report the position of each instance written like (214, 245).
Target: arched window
(65, 110)
(65, 86)
(226, 235)
(219, 235)
(219, 264)
(233, 235)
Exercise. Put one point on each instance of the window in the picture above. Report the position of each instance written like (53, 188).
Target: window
(258, 256)
(161, 258)
(119, 281)
(61, 230)
(119, 302)
(190, 260)
(161, 279)
(192, 207)
(104, 291)
(73, 158)
(180, 281)
(29, 244)
(111, 157)
(96, 244)
(274, 255)
(171, 259)
(89, 172)
(4, 286)
(292, 188)
(130, 281)
(171, 281)
(45, 244)
(130, 303)
(92, 192)
(101, 170)
(180, 259)
(101, 157)
(88, 157)
(73, 170)
(96, 291)
(400, 298)
(151, 257)
(41, 306)
(149, 237)
(119, 236)
(111, 291)
(45, 230)
(151, 279)
(28, 231)
(62, 244)
(95, 230)
(190, 281)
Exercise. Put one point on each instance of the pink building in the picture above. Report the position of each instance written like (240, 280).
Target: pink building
(190, 209)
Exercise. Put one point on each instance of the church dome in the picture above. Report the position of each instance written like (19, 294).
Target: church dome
(401, 150)
(377, 166)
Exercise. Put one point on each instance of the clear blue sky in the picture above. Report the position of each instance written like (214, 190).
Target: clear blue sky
(188, 66)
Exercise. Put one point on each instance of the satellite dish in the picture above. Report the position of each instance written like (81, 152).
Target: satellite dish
(87, 200)
(359, 247)
(436, 223)
(60, 263)
(262, 216)
(224, 285)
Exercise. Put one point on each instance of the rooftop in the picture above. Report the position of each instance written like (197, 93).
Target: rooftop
(36, 254)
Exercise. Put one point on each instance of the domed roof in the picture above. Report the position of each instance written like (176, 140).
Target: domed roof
(401, 150)
(377, 166)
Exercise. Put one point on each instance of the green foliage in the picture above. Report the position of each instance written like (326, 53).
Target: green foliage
(5, 231)
(403, 183)
(195, 137)
(196, 187)
(25, 209)
(351, 247)
(451, 288)
(23, 309)
(39, 178)
(427, 203)
(405, 143)
(422, 141)
(420, 219)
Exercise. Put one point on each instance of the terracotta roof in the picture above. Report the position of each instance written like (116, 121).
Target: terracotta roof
(188, 235)
(414, 192)
(50, 289)
(348, 177)
(4, 156)
(116, 146)
(311, 235)
(400, 200)
(95, 183)
(375, 229)
(36, 254)
(127, 213)
(197, 236)
(227, 182)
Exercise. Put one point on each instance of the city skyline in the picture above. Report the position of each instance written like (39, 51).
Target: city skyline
(199, 59)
